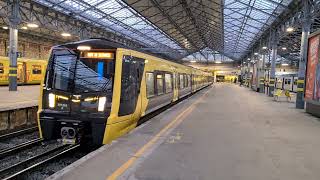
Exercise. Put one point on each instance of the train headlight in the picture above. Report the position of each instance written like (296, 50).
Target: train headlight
(52, 100)
(101, 103)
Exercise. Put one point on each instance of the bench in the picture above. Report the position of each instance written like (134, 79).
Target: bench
(280, 93)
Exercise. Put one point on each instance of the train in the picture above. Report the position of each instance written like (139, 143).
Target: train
(287, 82)
(29, 71)
(98, 90)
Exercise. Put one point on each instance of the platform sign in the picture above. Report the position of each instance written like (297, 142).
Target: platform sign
(313, 56)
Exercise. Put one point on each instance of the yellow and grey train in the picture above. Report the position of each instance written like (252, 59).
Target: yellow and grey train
(287, 82)
(97, 89)
(29, 71)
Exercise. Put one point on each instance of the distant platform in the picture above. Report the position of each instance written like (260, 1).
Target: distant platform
(226, 132)
(26, 96)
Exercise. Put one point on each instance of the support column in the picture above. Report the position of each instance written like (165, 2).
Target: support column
(273, 63)
(303, 55)
(261, 78)
(14, 20)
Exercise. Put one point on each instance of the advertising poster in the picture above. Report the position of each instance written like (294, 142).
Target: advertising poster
(311, 67)
(317, 86)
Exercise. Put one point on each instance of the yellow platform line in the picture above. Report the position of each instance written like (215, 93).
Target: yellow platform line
(145, 147)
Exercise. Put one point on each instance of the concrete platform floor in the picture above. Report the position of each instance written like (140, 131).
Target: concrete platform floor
(228, 133)
(26, 96)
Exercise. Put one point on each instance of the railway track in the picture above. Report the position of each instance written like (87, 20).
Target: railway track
(21, 169)
(18, 133)
(19, 147)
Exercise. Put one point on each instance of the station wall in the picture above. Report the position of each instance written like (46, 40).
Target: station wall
(28, 46)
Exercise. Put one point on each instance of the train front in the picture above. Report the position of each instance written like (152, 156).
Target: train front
(77, 92)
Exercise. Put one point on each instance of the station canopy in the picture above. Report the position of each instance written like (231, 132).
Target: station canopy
(180, 29)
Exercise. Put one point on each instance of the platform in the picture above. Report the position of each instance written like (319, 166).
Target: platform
(26, 96)
(225, 132)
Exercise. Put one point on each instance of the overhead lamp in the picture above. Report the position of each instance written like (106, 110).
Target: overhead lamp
(284, 48)
(218, 62)
(84, 48)
(65, 34)
(284, 64)
(256, 53)
(5, 27)
(290, 29)
(193, 61)
(248, 59)
(32, 25)
(226, 41)
(24, 27)
(264, 47)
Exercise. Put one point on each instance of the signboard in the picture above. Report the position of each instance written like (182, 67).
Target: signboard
(313, 56)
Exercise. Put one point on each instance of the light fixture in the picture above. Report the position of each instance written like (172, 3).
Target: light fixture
(5, 27)
(32, 25)
(290, 29)
(218, 62)
(65, 34)
(248, 59)
(284, 48)
(256, 53)
(84, 48)
(24, 27)
(101, 103)
(52, 100)
(226, 41)
(193, 61)
(284, 64)
(264, 47)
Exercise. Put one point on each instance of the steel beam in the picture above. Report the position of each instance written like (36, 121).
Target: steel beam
(14, 20)
(303, 55)
(274, 44)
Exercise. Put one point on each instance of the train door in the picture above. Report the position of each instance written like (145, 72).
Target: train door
(21, 72)
(131, 76)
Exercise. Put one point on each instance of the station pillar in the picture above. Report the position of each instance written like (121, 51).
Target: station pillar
(303, 55)
(261, 74)
(14, 20)
(274, 45)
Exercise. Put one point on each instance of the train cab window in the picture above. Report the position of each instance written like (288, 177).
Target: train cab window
(160, 87)
(181, 80)
(1, 68)
(168, 80)
(36, 69)
(150, 84)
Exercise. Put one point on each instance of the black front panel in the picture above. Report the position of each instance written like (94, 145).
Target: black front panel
(132, 71)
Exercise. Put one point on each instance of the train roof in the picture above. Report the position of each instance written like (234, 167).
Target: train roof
(100, 43)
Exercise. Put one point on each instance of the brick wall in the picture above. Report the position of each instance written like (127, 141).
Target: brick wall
(30, 47)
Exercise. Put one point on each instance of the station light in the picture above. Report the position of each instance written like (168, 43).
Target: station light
(32, 25)
(256, 53)
(84, 48)
(284, 48)
(24, 27)
(5, 27)
(264, 47)
(218, 62)
(284, 64)
(65, 34)
(248, 59)
(193, 61)
(290, 29)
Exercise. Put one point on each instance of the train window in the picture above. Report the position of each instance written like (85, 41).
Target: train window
(150, 84)
(1, 68)
(168, 80)
(36, 69)
(289, 81)
(295, 82)
(160, 86)
(181, 80)
(132, 69)
(185, 81)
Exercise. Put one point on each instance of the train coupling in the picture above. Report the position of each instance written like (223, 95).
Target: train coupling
(71, 133)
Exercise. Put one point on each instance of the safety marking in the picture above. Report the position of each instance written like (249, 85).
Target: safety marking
(300, 89)
(12, 75)
(12, 68)
(147, 146)
(300, 81)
